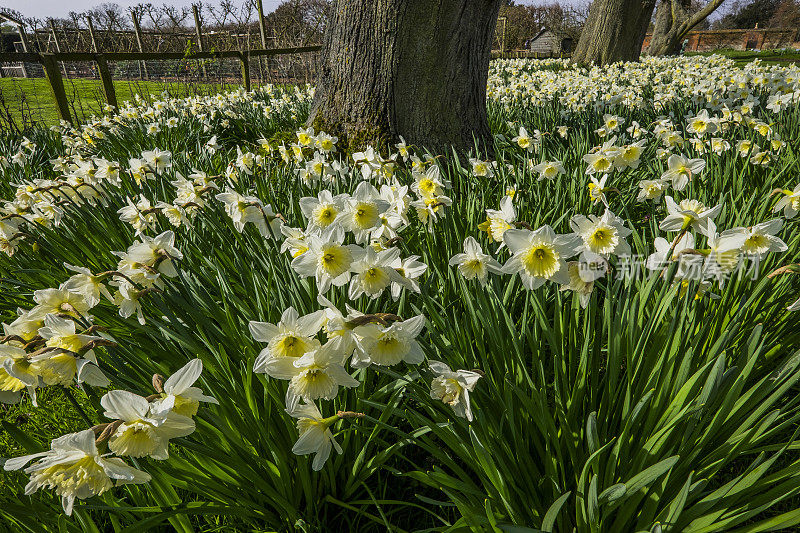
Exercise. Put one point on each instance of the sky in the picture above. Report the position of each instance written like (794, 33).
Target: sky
(61, 8)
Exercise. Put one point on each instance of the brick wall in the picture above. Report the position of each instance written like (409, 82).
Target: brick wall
(708, 40)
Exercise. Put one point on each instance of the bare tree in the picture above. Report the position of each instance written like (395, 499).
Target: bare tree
(674, 19)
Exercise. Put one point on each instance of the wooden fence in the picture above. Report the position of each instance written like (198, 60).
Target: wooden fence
(528, 54)
(50, 64)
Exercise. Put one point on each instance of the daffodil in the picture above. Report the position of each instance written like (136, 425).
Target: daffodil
(499, 221)
(761, 239)
(327, 260)
(681, 170)
(75, 469)
(323, 210)
(688, 214)
(315, 435)
(789, 202)
(473, 263)
(373, 273)
(576, 283)
(180, 395)
(603, 235)
(290, 338)
(548, 169)
(453, 387)
(16, 374)
(389, 345)
(539, 256)
(142, 432)
(363, 211)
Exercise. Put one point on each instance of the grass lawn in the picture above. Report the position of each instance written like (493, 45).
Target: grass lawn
(768, 57)
(27, 100)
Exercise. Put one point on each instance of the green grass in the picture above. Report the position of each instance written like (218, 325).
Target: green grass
(767, 57)
(31, 98)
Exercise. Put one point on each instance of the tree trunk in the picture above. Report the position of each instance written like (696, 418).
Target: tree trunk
(669, 15)
(614, 31)
(674, 20)
(411, 68)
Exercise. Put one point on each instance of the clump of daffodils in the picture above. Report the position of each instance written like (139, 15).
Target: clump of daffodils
(80, 465)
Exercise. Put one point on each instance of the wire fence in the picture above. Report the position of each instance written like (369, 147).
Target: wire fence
(28, 95)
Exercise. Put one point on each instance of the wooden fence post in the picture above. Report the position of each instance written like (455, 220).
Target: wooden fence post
(91, 34)
(138, 30)
(53, 76)
(57, 42)
(25, 48)
(262, 28)
(198, 29)
(105, 77)
(245, 59)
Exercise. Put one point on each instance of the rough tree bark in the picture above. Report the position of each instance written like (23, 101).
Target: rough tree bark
(674, 20)
(411, 68)
(614, 31)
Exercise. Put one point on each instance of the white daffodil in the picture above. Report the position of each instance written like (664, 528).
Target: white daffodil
(429, 182)
(180, 395)
(157, 160)
(482, 169)
(600, 162)
(157, 252)
(142, 432)
(290, 338)
(580, 286)
(327, 260)
(724, 252)
(548, 169)
(127, 300)
(408, 270)
(317, 374)
(86, 284)
(56, 301)
(499, 221)
(139, 215)
(363, 211)
(701, 124)
(25, 326)
(789, 203)
(453, 388)
(338, 328)
(689, 264)
(57, 367)
(75, 469)
(630, 155)
(539, 255)
(373, 272)
(315, 437)
(244, 209)
(296, 241)
(523, 140)
(598, 189)
(651, 190)
(680, 170)
(429, 209)
(688, 214)
(388, 345)
(601, 235)
(760, 239)
(16, 374)
(473, 263)
(323, 210)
